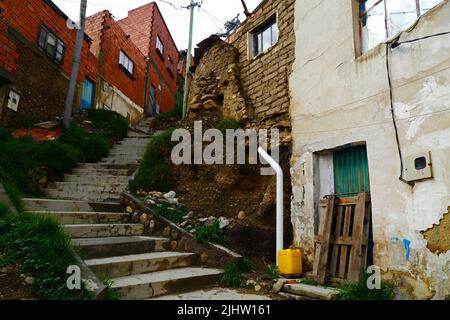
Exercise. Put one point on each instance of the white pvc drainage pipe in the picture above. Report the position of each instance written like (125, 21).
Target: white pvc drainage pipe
(280, 194)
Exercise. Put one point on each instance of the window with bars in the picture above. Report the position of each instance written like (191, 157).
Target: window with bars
(51, 45)
(265, 37)
(381, 19)
(126, 62)
(159, 46)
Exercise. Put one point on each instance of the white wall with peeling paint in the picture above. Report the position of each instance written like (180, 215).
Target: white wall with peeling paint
(340, 98)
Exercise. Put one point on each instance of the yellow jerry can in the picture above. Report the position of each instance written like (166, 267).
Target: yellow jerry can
(290, 262)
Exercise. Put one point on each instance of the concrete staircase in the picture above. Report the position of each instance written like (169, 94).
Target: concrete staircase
(105, 180)
(140, 267)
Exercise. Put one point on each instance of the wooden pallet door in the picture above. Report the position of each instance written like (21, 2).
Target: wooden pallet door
(326, 208)
(342, 243)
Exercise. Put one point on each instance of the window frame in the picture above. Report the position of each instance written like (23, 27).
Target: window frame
(360, 15)
(171, 66)
(258, 32)
(125, 63)
(59, 47)
(160, 46)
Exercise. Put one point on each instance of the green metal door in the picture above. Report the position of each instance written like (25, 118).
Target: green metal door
(351, 171)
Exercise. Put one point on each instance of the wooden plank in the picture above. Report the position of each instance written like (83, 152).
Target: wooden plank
(321, 254)
(355, 263)
(344, 248)
(335, 250)
(346, 201)
(365, 243)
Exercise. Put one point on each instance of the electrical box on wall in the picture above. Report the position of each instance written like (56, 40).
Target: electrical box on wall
(13, 100)
(418, 167)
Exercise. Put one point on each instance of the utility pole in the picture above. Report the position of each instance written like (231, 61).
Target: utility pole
(75, 65)
(188, 57)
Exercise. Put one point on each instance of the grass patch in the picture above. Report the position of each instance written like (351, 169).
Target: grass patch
(272, 272)
(309, 282)
(233, 273)
(209, 233)
(155, 171)
(360, 291)
(110, 293)
(228, 123)
(176, 113)
(42, 248)
(23, 161)
(170, 212)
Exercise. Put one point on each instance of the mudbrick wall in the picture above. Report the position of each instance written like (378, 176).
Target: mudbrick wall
(253, 90)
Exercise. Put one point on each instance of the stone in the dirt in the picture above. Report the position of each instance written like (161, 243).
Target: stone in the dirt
(209, 104)
(173, 201)
(195, 106)
(192, 231)
(257, 288)
(278, 286)
(29, 280)
(184, 223)
(250, 283)
(129, 209)
(143, 218)
(190, 215)
(170, 195)
(223, 223)
(241, 215)
(204, 257)
(166, 232)
(150, 202)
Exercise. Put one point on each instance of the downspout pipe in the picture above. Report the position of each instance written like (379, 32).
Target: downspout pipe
(280, 196)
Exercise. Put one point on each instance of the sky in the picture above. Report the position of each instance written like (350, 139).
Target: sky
(208, 20)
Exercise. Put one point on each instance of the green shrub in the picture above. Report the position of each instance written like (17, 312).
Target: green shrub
(4, 134)
(3, 210)
(58, 157)
(232, 274)
(91, 146)
(228, 123)
(43, 250)
(155, 171)
(170, 212)
(360, 291)
(209, 233)
(272, 272)
(112, 124)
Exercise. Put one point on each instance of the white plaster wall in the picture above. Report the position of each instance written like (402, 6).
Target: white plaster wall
(338, 98)
(117, 101)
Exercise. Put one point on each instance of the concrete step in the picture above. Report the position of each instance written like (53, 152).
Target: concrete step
(107, 161)
(127, 152)
(83, 195)
(314, 292)
(67, 217)
(121, 159)
(103, 166)
(159, 283)
(90, 187)
(108, 172)
(138, 135)
(96, 178)
(32, 204)
(139, 143)
(122, 266)
(95, 248)
(104, 230)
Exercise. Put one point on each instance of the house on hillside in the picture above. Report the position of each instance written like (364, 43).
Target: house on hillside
(147, 29)
(370, 115)
(36, 60)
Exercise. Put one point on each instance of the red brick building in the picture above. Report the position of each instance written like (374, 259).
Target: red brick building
(148, 30)
(37, 51)
(121, 67)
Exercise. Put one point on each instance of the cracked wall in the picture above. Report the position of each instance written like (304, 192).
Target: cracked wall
(339, 98)
(438, 237)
